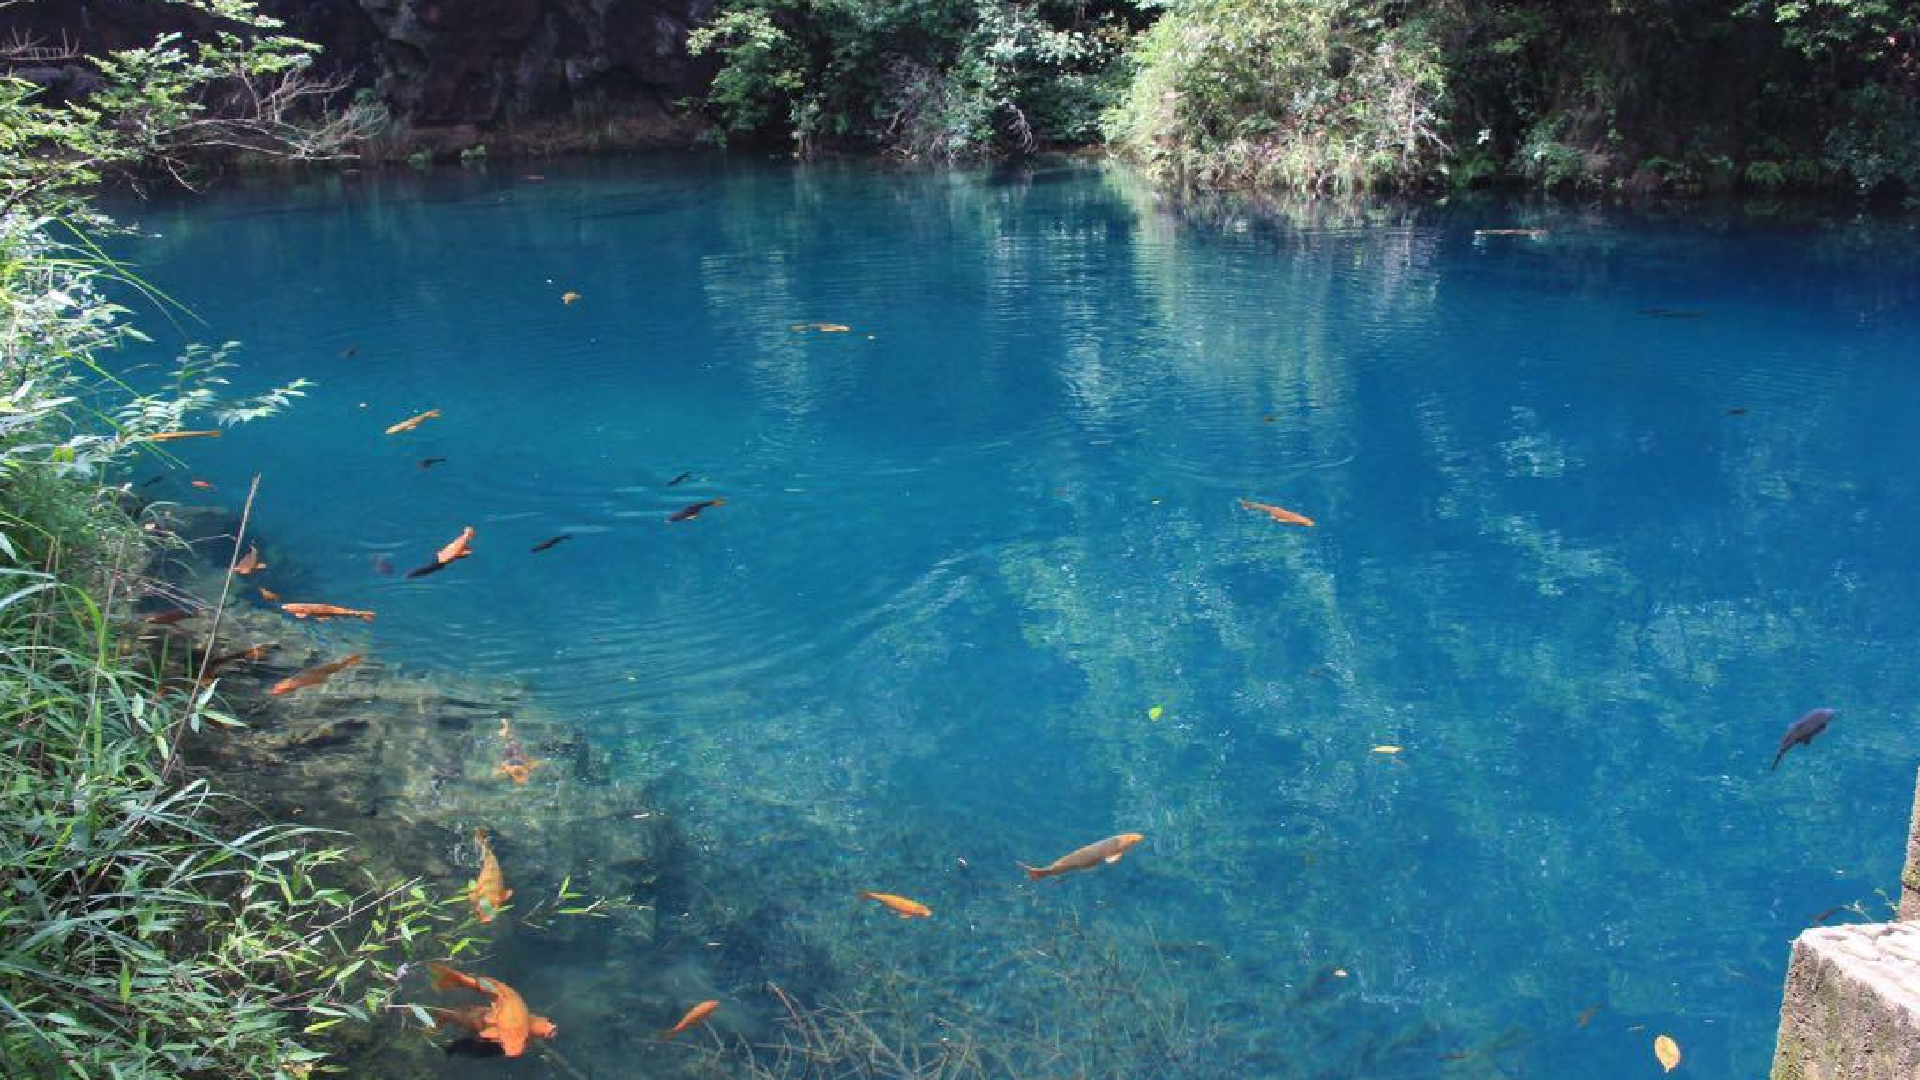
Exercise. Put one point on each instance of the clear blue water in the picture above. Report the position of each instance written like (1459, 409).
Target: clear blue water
(967, 545)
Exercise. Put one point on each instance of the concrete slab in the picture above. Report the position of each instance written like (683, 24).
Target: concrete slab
(1852, 1005)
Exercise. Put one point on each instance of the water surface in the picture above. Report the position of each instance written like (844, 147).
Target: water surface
(1598, 515)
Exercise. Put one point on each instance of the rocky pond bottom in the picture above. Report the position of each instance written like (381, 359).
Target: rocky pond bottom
(1468, 778)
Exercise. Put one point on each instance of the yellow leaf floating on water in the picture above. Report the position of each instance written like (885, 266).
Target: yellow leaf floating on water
(1155, 713)
(1667, 1051)
(1386, 749)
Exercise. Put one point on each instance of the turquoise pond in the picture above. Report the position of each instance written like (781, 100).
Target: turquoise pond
(1598, 514)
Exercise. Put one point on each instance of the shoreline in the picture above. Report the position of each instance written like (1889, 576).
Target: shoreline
(403, 765)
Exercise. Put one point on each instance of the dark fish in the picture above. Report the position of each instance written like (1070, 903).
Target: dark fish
(433, 567)
(1802, 731)
(150, 483)
(251, 652)
(1828, 914)
(167, 618)
(682, 478)
(1671, 313)
(1736, 412)
(430, 462)
(474, 1047)
(350, 352)
(688, 513)
(382, 564)
(545, 544)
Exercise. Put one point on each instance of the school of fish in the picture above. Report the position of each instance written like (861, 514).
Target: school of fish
(505, 1023)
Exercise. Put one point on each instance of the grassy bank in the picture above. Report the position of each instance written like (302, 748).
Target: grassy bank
(149, 927)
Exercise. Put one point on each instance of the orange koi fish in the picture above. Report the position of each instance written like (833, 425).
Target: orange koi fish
(688, 513)
(459, 548)
(900, 905)
(506, 1020)
(519, 768)
(514, 762)
(488, 891)
(324, 611)
(269, 595)
(169, 436)
(569, 297)
(412, 422)
(1087, 858)
(203, 485)
(314, 676)
(697, 1014)
(250, 563)
(822, 327)
(1283, 516)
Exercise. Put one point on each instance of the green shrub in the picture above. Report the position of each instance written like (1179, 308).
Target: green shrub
(1311, 95)
(941, 79)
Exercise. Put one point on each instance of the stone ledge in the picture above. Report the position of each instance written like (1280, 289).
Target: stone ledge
(1852, 1005)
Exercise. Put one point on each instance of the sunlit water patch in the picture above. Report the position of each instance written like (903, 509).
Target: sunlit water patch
(1597, 514)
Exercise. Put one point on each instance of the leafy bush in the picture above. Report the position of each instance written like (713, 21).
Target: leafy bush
(1311, 95)
(942, 79)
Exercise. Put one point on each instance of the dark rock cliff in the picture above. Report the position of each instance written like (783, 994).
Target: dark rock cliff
(605, 69)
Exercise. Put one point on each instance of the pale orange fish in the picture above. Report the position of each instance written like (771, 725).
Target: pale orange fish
(569, 297)
(823, 327)
(249, 563)
(506, 1021)
(1279, 514)
(900, 905)
(695, 1015)
(169, 436)
(489, 891)
(324, 611)
(167, 618)
(203, 485)
(412, 422)
(1586, 1016)
(1087, 858)
(458, 549)
(269, 595)
(314, 676)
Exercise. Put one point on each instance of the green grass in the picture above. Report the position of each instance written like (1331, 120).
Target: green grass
(146, 928)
